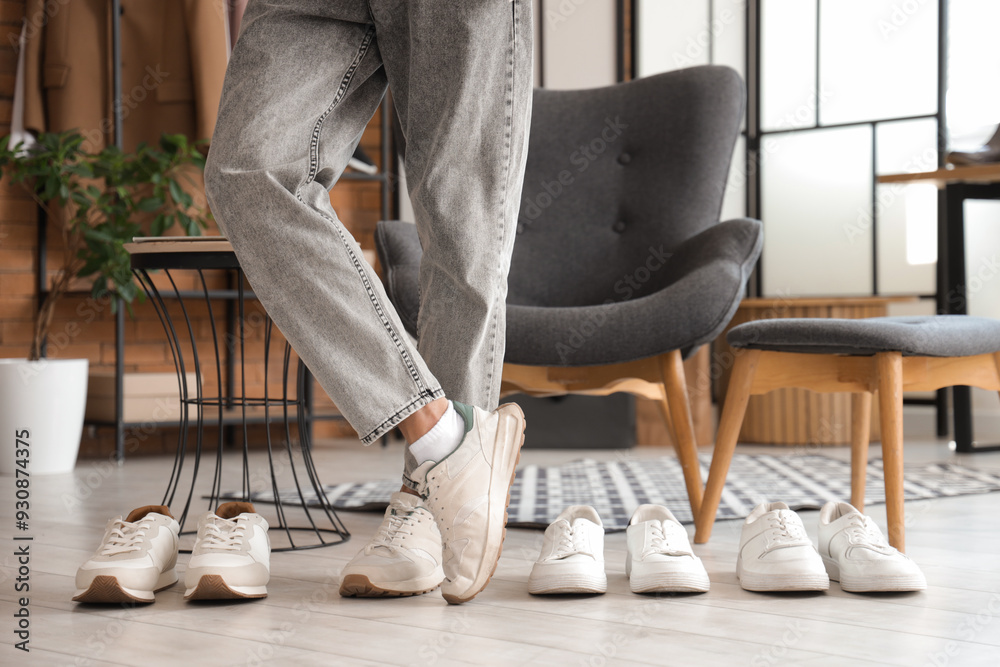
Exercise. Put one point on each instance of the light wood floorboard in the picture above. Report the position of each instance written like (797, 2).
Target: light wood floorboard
(305, 622)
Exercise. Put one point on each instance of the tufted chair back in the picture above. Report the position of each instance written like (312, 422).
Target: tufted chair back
(616, 178)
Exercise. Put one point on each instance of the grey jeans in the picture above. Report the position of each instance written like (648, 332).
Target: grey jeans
(304, 79)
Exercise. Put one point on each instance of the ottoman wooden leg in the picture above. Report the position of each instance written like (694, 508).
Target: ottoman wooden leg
(861, 422)
(890, 401)
(740, 384)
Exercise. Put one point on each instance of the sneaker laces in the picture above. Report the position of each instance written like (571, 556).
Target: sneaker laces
(865, 532)
(659, 542)
(785, 532)
(224, 534)
(125, 537)
(572, 541)
(395, 526)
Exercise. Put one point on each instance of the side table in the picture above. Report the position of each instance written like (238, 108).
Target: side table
(289, 461)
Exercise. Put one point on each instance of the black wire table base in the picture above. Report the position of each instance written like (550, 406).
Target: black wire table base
(289, 460)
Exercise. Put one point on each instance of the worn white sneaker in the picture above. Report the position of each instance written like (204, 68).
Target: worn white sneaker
(468, 492)
(572, 557)
(136, 558)
(403, 558)
(231, 556)
(660, 558)
(858, 556)
(776, 554)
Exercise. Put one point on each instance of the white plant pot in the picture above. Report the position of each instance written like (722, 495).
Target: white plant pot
(46, 398)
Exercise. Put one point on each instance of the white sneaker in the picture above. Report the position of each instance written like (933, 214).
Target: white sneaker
(776, 554)
(136, 558)
(660, 558)
(572, 557)
(403, 558)
(468, 492)
(231, 555)
(857, 555)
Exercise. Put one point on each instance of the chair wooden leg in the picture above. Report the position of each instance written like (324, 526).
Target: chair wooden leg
(861, 423)
(890, 401)
(737, 396)
(677, 414)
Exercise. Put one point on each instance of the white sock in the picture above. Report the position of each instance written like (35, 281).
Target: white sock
(441, 440)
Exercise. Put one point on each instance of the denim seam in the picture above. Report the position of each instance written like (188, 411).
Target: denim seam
(313, 169)
(426, 395)
(345, 83)
(506, 186)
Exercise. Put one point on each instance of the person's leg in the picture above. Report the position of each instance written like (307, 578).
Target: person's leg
(304, 79)
(461, 77)
(284, 135)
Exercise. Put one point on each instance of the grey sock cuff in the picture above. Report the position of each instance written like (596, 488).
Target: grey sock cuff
(409, 465)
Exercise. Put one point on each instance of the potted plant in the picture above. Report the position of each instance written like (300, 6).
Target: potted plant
(98, 200)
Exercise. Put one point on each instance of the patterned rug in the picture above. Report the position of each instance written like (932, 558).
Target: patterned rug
(616, 488)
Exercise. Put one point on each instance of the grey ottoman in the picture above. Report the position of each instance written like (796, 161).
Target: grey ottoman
(888, 354)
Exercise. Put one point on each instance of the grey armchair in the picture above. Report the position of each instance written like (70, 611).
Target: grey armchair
(621, 267)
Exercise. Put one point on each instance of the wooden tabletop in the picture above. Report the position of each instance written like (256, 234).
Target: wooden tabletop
(169, 244)
(165, 245)
(977, 173)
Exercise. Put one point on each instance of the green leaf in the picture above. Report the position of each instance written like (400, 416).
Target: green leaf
(160, 224)
(96, 234)
(50, 189)
(180, 197)
(149, 204)
(90, 267)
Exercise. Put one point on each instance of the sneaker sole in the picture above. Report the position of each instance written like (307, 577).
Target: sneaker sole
(580, 584)
(105, 588)
(454, 599)
(669, 583)
(214, 587)
(360, 586)
(763, 583)
(883, 584)
(874, 583)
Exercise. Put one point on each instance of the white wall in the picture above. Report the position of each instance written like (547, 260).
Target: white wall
(579, 41)
(675, 34)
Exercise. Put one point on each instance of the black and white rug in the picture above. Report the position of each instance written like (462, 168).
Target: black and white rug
(616, 488)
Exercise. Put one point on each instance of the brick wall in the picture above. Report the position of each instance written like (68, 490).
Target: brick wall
(84, 328)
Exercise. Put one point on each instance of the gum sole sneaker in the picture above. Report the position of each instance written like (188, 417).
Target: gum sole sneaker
(136, 558)
(402, 559)
(660, 558)
(468, 492)
(776, 554)
(231, 555)
(108, 589)
(360, 586)
(856, 553)
(572, 557)
(214, 587)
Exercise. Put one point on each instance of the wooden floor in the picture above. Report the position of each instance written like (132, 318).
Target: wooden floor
(304, 621)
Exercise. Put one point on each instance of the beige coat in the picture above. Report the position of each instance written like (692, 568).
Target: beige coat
(174, 56)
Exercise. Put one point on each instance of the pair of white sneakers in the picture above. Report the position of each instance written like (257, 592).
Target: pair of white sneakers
(138, 555)
(776, 554)
(659, 560)
(451, 535)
